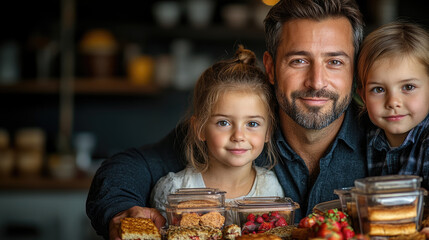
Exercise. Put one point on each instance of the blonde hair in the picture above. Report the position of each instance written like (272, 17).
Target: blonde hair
(237, 74)
(397, 39)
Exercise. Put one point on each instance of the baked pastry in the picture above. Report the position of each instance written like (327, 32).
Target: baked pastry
(391, 229)
(139, 228)
(230, 232)
(258, 236)
(414, 236)
(283, 232)
(384, 213)
(301, 233)
(195, 232)
(190, 219)
(212, 219)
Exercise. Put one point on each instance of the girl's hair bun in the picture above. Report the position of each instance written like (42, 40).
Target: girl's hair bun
(245, 56)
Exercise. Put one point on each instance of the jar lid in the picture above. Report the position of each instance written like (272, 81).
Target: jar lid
(344, 191)
(197, 196)
(199, 191)
(388, 183)
(266, 202)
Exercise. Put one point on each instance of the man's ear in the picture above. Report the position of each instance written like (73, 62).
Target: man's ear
(269, 66)
(195, 126)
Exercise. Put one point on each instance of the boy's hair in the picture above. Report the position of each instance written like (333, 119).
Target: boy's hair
(287, 10)
(397, 39)
(237, 74)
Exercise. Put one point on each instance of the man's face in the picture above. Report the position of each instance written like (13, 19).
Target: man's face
(313, 70)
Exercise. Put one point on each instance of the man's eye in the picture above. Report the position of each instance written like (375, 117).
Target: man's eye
(335, 62)
(298, 61)
(223, 123)
(253, 124)
(377, 90)
(408, 87)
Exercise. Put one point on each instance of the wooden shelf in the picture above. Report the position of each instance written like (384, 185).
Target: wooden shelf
(111, 86)
(40, 183)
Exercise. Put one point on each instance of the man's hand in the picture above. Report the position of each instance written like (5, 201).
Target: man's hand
(136, 211)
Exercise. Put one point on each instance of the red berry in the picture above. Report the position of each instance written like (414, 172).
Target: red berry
(251, 217)
(259, 219)
(265, 216)
(348, 232)
(275, 214)
(307, 222)
(281, 222)
(264, 226)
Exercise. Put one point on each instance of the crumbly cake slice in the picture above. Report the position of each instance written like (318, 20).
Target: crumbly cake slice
(139, 228)
(230, 232)
(202, 232)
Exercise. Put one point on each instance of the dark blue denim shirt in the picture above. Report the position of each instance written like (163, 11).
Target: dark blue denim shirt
(343, 163)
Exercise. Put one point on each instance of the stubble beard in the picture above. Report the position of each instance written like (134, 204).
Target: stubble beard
(312, 117)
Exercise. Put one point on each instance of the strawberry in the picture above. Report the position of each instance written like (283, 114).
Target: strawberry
(336, 215)
(307, 222)
(344, 224)
(328, 224)
(251, 217)
(281, 222)
(276, 215)
(265, 216)
(264, 226)
(249, 225)
(330, 234)
(259, 219)
(348, 233)
(342, 216)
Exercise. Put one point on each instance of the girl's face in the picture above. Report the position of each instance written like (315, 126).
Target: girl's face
(397, 96)
(237, 129)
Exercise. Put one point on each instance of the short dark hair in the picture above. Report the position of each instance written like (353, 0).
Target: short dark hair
(286, 10)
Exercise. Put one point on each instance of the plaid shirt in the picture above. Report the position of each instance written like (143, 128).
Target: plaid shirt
(410, 158)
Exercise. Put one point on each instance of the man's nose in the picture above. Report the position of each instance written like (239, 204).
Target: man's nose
(316, 78)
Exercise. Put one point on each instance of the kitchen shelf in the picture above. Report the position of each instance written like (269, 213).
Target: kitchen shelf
(45, 183)
(111, 86)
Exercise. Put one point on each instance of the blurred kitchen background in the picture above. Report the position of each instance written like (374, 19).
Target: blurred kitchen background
(81, 80)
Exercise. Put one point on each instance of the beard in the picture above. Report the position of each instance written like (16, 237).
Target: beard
(312, 117)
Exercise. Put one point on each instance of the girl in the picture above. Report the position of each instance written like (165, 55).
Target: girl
(232, 120)
(393, 72)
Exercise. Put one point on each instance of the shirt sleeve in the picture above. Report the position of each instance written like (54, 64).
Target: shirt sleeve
(127, 178)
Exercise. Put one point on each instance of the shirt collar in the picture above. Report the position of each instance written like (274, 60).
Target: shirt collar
(380, 141)
(348, 134)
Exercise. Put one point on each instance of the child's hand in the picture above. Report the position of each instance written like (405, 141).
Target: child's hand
(136, 211)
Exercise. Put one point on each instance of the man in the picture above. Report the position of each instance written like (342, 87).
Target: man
(311, 46)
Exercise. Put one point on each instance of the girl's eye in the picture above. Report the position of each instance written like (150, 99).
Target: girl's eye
(253, 124)
(377, 90)
(223, 123)
(408, 87)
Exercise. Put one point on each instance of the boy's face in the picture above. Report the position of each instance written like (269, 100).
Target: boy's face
(397, 96)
